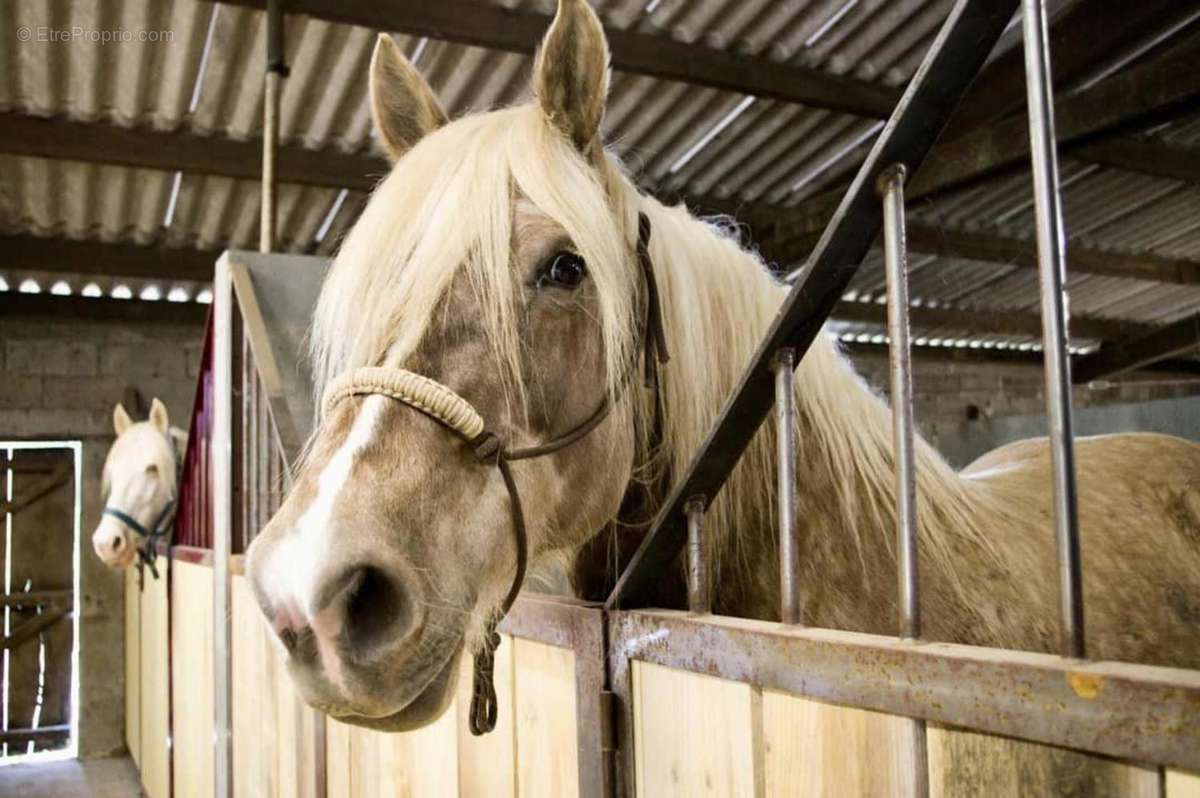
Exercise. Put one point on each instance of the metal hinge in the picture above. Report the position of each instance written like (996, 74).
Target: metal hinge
(608, 720)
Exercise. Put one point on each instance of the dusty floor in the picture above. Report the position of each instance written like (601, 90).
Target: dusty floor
(95, 778)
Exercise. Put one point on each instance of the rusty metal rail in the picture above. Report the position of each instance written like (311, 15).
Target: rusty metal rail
(1136, 712)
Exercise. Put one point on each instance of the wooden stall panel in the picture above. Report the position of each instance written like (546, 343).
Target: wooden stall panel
(155, 695)
(487, 764)
(547, 751)
(695, 734)
(960, 761)
(296, 766)
(817, 749)
(337, 757)
(133, 665)
(369, 764)
(253, 699)
(1183, 785)
(282, 763)
(192, 683)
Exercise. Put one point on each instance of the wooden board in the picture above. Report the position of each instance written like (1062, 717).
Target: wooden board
(817, 749)
(695, 734)
(960, 761)
(133, 665)
(155, 696)
(1183, 785)
(192, 685)
(284, 763)
(253, 698)
(487, 764)
(370, 764)
(544, 711)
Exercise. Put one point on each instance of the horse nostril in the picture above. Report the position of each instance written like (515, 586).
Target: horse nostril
(365, 606)
(117, 542)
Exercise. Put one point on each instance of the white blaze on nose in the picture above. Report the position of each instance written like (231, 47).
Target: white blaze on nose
(294, 567)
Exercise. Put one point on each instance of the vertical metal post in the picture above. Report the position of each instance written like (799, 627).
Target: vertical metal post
(699, 602)
(895, 254)
(1051, 238)
(222, 524)
(785, 421)
(895, 250)
(277, 70)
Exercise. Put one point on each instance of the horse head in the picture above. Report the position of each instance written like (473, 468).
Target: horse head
(498, 260)
(138, 485)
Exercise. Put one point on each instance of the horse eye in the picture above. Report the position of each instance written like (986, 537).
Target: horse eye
(564, 270)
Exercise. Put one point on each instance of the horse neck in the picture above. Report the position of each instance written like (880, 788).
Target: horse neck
(844, 470)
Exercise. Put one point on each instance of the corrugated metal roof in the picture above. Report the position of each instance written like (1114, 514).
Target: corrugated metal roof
(207, 79)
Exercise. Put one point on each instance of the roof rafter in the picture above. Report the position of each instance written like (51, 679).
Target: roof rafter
(520, 31)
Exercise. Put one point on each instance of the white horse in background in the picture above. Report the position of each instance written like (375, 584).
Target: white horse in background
(140, 483)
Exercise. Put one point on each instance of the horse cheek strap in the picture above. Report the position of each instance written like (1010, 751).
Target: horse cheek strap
(457, 414)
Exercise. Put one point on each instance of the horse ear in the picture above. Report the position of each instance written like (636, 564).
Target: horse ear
(570, 75)
(402, 103)
(158, 416)
(121, 420)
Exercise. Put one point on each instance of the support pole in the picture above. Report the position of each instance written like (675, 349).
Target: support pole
(277, 70)
(699, 602)
(891, 185)
(1051, 239)
(895, 254)
(785, 454)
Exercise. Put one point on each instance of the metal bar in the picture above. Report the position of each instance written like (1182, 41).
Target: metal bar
(1052, 268)
(699, 602)
(908, 604)
(895, 253)
(785, 454)
(221, 493)
(969, 33)
(1141, 713)
(273, 87)
(579, 626)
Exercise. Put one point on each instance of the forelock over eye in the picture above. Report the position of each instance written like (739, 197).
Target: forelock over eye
(562, 270)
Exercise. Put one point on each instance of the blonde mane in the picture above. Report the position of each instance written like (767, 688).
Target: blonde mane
(447, 209)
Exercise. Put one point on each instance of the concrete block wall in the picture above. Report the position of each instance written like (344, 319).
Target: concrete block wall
(59, 380)
(956, 401)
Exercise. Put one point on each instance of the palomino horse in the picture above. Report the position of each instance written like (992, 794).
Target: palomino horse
(139, 485)
(498, 259)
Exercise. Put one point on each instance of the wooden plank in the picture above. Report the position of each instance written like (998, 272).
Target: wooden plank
(142, 147)
(33, 627)
(192, 682)
(520, 31)
(39, 598)
(338, 755)
(1178, 338)
(817, 749)
(254, 757)
(133, 666)
(487, 764)
(125, 311)
(696, 734)
(1182, 785)
(106, 258)
(155, 696)
(544, 711)
(295, 756)
(47, 736)
(960, 761)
